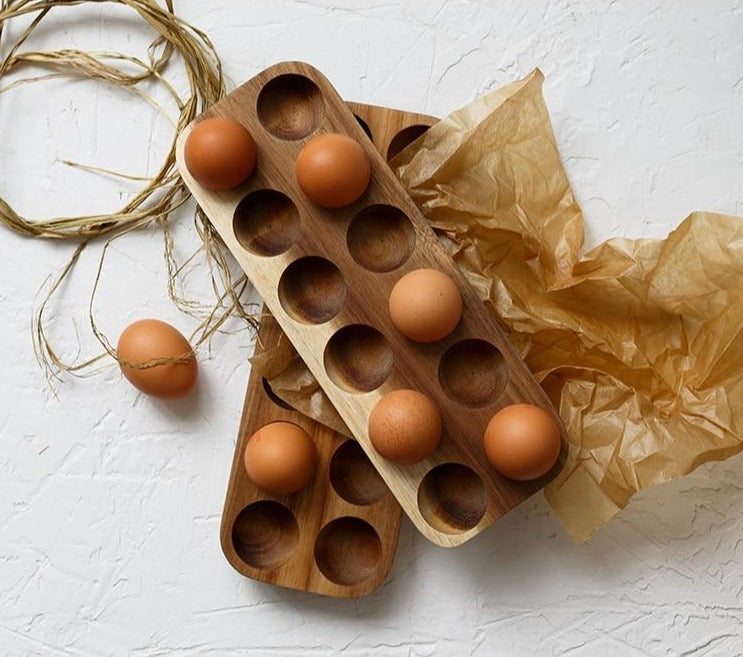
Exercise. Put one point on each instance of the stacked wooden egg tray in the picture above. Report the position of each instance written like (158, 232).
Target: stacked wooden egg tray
(337, 536)
(327, 274)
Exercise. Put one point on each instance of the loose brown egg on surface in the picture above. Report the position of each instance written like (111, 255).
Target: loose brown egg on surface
(405, 426)
(425, 305)
(333, 170)
(280, 458)
(149, 340)
(219, 153)
(522, 442)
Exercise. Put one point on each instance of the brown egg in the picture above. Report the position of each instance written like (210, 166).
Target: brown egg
(280, 458)
(333, 170)
(425, 305)
(522, 442)
(148, 340)
(220, 153)
(405, 426)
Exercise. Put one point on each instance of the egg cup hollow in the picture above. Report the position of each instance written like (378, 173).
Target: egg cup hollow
(348, 551)
(380, 238)
(404, 138)
(353, 476)
(266, 222)
(452, 498)
(473, 373)
(290, 106)
(265, 534)
(358, 358)
(312, 290)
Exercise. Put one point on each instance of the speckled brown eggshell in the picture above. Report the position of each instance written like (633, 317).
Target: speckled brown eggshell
(149, 340)
(405, 426)
(522, 442)
(425, 305)
(280, 458)
(220, 153)
(333, 170)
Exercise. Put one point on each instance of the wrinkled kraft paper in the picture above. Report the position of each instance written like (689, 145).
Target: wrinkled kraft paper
(639, 343)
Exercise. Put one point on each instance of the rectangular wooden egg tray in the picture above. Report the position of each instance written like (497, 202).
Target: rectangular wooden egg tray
(327, 281)
(296, 541)
(337, 536)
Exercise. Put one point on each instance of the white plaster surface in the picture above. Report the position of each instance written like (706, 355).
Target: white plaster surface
(110, 502)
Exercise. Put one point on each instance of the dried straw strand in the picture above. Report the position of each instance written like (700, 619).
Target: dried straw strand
(161, 195)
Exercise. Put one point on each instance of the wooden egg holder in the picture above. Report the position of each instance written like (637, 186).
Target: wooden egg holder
(337, 536)
(294, 541)
(326, 275)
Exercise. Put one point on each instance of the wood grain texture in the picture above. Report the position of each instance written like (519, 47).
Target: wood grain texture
(454, 494)
(321, 503)
(337, 536)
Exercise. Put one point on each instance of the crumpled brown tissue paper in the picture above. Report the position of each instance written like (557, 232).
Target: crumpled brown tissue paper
(638, 342)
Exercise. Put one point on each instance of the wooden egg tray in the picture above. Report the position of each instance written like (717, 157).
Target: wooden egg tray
(326, 275)
(337, 536)
(258, 533)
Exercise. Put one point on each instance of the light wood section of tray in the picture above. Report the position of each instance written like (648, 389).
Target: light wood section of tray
(332, 302)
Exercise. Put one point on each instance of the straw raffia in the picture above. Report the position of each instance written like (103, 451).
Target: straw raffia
(161, 195)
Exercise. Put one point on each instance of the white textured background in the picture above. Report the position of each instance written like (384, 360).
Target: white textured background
(110, 502)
